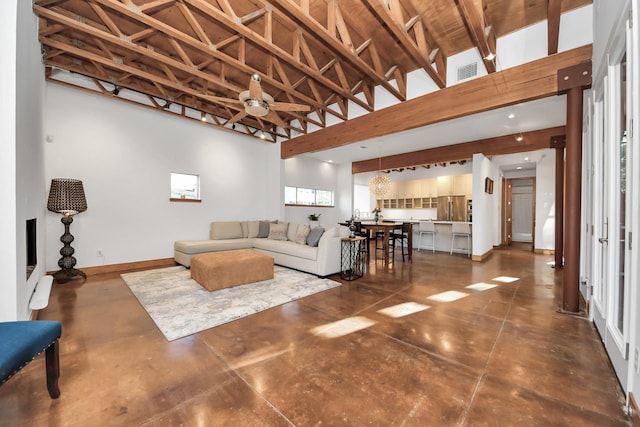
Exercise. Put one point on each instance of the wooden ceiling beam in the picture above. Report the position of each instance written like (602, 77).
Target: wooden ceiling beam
(154, 6)
(460, 153)
(271, 48)
(194, 43)
(527, 82)
(172, 36)
(480, 30)
(554, 10)
(327, 36)
(395, 24)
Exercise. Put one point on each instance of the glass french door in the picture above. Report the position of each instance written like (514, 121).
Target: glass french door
(612, 252)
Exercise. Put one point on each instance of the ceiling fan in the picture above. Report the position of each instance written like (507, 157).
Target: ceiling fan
(258, 103)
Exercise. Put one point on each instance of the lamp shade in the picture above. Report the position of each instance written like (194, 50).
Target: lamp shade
(66, 196)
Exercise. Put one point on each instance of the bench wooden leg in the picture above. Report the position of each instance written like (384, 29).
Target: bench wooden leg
(52, 360)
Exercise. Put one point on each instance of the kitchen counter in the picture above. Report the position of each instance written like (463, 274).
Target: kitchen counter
(443, 236)
(443, 233)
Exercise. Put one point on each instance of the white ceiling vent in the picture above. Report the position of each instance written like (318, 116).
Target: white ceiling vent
(467, 71)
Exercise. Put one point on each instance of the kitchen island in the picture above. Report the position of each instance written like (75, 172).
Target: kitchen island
(443, 234)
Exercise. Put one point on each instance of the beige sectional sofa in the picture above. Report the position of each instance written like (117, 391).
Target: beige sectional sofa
(292, 245)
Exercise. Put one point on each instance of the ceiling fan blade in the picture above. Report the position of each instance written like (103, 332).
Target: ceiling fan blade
(241, 115)
(222, 99)
(255, 89)
(275, 118)
(285, 106)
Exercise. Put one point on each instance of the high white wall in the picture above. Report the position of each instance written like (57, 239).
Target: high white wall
(21, 162)
(124, 155)
(309, 173)
(8, 258)
(545, 202)
(606, 15)
(486, 207)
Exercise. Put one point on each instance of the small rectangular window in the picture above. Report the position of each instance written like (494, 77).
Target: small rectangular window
(307, 197)
(185, 187)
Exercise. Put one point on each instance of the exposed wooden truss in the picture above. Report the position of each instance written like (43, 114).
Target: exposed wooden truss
(332, 55)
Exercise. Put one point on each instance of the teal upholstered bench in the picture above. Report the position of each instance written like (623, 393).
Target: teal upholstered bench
(21, 342)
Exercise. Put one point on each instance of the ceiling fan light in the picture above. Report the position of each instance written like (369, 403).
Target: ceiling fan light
(256, 108)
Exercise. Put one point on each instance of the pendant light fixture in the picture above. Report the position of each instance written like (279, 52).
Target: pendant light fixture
(379, 184)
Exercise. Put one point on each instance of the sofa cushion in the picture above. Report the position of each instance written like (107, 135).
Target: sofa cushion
(286, 247)
(222, 230)
(191, 247)
(314, 236)
(278, 231)
(252, 229)
(301, 234)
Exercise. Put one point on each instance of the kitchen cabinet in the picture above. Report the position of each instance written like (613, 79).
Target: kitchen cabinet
(424, 193)
(461, 185)
(444, 185)
(428, 187)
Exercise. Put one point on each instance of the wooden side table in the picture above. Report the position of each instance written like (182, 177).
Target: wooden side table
(351, 265)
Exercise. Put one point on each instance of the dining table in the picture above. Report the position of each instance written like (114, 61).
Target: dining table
(387, 228)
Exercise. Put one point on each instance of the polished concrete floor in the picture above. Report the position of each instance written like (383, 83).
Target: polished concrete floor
(441, 354)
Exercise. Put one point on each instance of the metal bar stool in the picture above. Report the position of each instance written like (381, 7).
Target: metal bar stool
(427, 228)
(461, 229)
(401, 234)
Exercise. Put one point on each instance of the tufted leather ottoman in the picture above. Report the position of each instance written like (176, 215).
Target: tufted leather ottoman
(224, 269)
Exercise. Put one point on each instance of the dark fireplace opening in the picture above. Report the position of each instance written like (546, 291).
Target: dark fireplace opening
(32, 250)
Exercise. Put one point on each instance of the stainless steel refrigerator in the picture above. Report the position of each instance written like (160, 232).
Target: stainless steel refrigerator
(452, 208)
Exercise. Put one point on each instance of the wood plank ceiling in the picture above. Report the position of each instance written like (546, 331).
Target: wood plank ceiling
(173, 55)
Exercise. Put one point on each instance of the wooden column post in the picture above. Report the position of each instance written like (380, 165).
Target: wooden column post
(573, 81)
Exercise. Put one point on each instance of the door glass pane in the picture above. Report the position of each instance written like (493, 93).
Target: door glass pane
(623, 193)
(599, 288)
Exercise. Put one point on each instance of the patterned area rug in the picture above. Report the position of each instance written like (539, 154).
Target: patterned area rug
(180, 306)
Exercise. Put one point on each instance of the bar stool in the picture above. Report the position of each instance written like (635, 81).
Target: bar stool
(401, 234)
(359, 232)
(427, 227)
(461, 229)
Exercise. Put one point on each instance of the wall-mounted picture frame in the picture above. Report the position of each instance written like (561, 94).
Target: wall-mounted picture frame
(488, 185)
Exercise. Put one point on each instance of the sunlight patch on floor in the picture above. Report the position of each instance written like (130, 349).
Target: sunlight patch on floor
(448, 296)
(342, 327)
(403, 309)
(481, 286)
(505, 279)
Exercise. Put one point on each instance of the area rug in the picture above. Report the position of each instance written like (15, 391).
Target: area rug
(179, 306)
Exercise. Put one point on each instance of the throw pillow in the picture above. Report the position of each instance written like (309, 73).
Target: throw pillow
(253, 229)
(292, 231)
(301, 236)
(314, 236)
(277, 231)
(263, 229)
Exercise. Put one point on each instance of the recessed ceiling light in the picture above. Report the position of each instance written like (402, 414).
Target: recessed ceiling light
(519, 167)
(526, 159)
(511, 115)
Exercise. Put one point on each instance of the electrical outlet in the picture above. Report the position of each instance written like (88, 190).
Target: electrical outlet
(99, 254)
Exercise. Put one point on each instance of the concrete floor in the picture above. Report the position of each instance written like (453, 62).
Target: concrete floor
(501, 356)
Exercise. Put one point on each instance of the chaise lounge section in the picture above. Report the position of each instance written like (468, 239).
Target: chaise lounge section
(315, 250)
